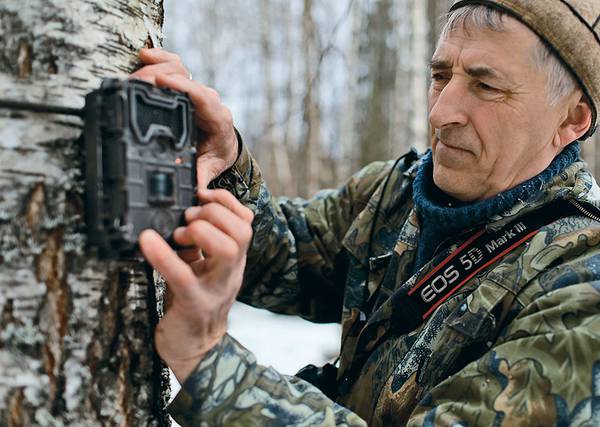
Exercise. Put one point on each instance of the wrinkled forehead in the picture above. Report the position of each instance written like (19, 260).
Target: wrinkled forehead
(508, 36)
(465, 22)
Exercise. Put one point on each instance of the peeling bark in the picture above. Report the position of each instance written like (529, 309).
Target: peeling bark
(75, 333)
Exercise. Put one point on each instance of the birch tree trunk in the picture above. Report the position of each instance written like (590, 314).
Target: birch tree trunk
(290, 134)
(75, 333)
(419, 72)
(403, 105)
(311, 149)
(379, 59)
(436, 10)
(349, 138)
(278, 166)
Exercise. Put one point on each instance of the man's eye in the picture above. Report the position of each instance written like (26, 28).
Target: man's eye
(438, 77)
(486, 87)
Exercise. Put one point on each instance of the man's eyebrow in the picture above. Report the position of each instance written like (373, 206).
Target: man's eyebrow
(483, 71)
(476, 71)
(439, 64)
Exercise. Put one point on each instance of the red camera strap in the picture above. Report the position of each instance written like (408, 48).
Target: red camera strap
(477, 253)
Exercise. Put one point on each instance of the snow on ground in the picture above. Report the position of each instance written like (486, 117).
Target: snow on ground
(286, 343)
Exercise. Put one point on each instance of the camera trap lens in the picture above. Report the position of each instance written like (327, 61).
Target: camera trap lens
(161, 188)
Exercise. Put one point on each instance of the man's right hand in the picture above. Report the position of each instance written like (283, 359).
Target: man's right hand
(218, 150)
(202, 281)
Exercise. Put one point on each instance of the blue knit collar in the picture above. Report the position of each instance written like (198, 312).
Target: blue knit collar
(441, 215)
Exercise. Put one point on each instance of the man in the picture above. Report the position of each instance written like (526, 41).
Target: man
(466, 281)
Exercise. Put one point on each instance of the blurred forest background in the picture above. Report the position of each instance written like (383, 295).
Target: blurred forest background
(318, 88)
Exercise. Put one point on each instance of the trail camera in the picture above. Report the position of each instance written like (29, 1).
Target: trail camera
(140, 156)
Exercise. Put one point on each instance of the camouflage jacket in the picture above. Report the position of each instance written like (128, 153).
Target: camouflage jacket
(518, 345)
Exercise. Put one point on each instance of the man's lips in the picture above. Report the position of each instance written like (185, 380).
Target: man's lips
(449, 145)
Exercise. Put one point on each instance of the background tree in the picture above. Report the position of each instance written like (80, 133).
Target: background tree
(75, 333)
(310, 151)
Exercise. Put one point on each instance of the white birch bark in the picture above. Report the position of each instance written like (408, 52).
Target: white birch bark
(75, 333)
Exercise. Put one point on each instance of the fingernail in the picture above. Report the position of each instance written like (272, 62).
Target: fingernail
(194, 210)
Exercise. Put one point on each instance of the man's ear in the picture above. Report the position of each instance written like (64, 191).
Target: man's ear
(576, 123)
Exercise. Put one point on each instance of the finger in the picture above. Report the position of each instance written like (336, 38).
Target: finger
(157, 55)
(189, 255)
(212, 116)
(225, 220)
(178, 275)
(192, 213)
(149, 72)
(213, 242)
(168, 298)
(149, 79)
(199, 267)
(226, 199)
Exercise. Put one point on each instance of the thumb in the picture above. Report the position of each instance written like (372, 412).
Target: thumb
(207, 169)
(202, 181)
(203, 175)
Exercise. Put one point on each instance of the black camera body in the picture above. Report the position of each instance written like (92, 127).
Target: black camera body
(140, 163)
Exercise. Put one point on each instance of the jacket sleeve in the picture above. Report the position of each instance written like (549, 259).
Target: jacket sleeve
(544, 369)
(296, 263)
(228, 388)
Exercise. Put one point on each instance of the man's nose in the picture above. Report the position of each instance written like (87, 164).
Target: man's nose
(449, 107)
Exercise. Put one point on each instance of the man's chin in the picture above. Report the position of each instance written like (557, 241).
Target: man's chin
(456, 186)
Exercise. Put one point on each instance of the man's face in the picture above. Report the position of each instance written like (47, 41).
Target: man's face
(493, 126)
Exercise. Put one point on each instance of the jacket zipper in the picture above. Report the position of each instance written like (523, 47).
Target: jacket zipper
(583, 210)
